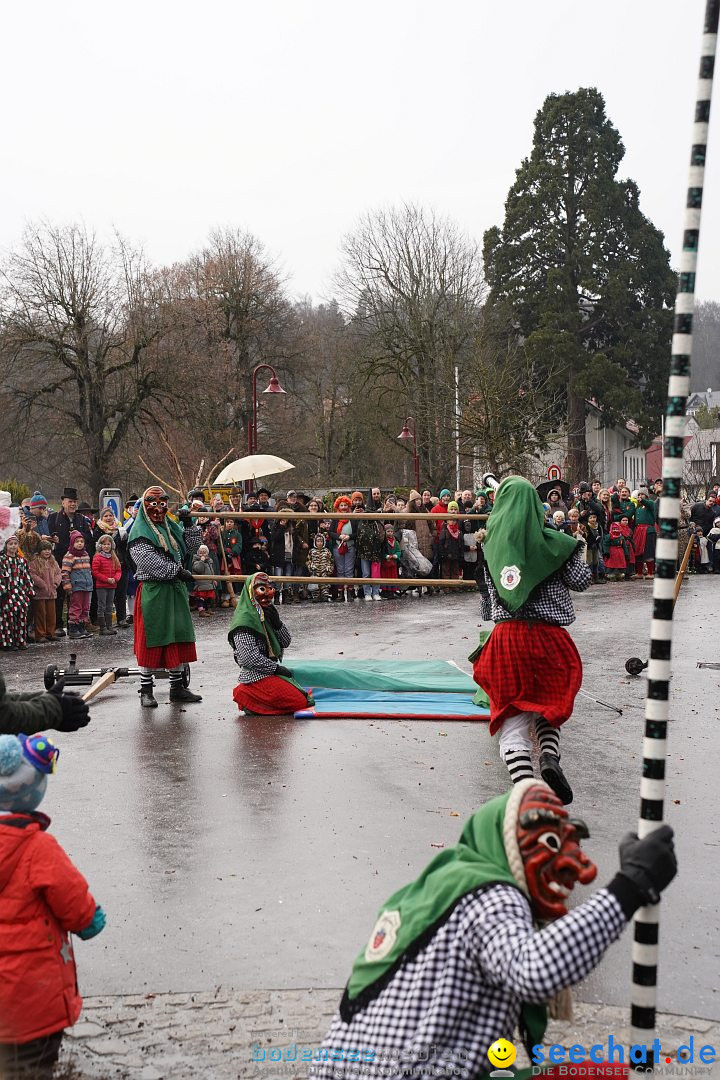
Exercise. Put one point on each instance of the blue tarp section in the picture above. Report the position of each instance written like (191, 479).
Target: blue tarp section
(418, 676)
(363, 704)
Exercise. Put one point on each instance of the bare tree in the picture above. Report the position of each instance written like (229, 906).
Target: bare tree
(80, 335)
(413, 286)
(512, 406)
(231, 314)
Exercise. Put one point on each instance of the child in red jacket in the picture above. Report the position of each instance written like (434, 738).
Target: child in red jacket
(43, 899)
(106, 572)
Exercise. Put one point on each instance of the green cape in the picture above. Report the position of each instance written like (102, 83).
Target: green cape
(249, 615)
(520, 552)
(165, 606)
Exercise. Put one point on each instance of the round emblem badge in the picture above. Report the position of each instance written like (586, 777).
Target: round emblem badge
(383, 937)
(510, 577)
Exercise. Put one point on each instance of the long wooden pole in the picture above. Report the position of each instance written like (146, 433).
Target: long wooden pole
(645, 952)
(399, 582)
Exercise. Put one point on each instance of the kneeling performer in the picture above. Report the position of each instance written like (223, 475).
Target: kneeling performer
(164, 632)
(258, 638)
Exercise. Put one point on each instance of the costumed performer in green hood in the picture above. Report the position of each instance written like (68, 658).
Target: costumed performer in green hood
(259, 638)
(164, 633)
(456, 960)
(529, 666)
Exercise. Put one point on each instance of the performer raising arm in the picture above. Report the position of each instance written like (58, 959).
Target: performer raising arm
(164, 632)
(529, 666)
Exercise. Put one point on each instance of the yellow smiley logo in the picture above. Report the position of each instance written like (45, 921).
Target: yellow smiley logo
(502, 1053)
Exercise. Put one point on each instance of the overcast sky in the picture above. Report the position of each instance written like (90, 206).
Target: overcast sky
(290, 118)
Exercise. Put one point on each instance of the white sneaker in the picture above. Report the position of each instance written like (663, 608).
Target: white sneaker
(367, 597)
(377, 597)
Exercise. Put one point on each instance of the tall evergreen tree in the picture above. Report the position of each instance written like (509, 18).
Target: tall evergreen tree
(581, 274)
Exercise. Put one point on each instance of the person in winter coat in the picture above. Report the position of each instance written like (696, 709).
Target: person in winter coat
(106, 572)
(594, 538)
(556, 501)
(623, 506)
(77, 581)
(43, 900)
(369, 547)
(644, 535)
(46, 577)
(61, 524)
(204, 591)
(614, 552)
(714, 545)
(343, 543)
(392, 553)
(28, 536)
(108, 525)
(320, 564)
(16, 593)
(451, 546)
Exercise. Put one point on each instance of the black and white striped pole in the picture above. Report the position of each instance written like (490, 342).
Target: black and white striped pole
(652, 787)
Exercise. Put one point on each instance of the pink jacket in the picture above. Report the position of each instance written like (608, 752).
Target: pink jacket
(46, 577)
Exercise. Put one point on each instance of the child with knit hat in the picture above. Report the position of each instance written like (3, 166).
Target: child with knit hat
(43, 899)
(77, 582)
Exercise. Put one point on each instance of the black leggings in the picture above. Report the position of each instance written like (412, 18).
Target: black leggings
(34, 1060)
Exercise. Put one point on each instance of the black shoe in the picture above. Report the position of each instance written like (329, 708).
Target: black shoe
(129, 620)
(147, 699)
(122, 623)
(74, 632)
(60, 633)
(554, 777)
(181, 693)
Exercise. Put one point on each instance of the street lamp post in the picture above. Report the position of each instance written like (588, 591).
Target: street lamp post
(406, 433)
(273, 387)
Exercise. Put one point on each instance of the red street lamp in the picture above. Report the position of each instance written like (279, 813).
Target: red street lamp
(273, 387)
(406, 433)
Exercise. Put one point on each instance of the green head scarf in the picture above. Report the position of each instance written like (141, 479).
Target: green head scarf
(250, 615)
(520, 552)
(168, 537)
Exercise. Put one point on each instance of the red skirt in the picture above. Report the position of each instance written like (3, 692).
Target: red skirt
(159, 656)
(271, 696)
(529, 667)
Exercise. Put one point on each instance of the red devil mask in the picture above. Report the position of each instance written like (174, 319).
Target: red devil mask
(553, 862)
(155, 501)
(263, 590)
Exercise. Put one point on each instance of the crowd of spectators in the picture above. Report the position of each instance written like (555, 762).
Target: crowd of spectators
(73, 564)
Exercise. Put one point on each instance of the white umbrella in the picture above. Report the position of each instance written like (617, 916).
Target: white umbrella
(254, 467)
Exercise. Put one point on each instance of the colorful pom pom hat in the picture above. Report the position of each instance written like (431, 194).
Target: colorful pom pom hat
(26, 761)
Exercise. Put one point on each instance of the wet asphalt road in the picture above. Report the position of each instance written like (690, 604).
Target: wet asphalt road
(254, 853)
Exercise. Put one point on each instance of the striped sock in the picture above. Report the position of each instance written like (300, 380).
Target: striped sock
(548, 737)
(175, 677)
(519, 765)
(146, 681)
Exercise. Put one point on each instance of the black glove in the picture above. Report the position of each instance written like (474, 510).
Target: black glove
(649, 865)
(184, 575)
(280, 670)
(75, 711)
(273, 616)
(185, 518)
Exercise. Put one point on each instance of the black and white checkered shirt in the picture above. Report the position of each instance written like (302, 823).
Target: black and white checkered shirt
(251, 654)
(443, 1009)
(550, 601)
(155, 565)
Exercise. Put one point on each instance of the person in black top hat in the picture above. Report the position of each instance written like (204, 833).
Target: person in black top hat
(60, 524)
